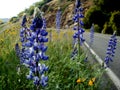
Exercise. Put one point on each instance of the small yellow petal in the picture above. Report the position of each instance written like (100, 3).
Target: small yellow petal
(93, 79)
(90, 83)
(79, 80)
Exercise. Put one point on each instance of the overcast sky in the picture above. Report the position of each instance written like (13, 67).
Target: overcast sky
(10, 8)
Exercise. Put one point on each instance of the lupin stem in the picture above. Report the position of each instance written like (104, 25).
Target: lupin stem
(78, 47)
(78, 23)
(78, 40)
(37, 72)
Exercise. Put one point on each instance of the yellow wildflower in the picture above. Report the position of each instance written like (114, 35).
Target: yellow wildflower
(80, 80)
(91, 82)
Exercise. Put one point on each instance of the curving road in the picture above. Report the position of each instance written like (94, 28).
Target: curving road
(100, 45)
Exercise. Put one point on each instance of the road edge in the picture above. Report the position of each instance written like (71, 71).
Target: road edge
(109, 72)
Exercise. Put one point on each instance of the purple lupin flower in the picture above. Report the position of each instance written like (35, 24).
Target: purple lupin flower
(24, 34)
(92, 34)
(17, 49)
(43, 80)
(78, 24)
(24, 20)
(111, 49)
(33, 48)
(58, 20)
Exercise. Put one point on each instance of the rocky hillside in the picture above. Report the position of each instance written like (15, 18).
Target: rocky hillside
(67, 8)
(50, 8)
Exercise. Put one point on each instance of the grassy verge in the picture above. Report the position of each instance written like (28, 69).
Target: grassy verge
(64, 73)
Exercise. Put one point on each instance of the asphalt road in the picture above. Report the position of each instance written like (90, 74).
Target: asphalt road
(100, 45)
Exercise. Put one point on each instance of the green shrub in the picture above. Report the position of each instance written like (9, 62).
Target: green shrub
(97, 28)
(41, 3)
(107, 29)
(107, 5)
(45, 8)
(21, 14)
(31, 10)
(94, 15)
(115, 21)
(14, 19)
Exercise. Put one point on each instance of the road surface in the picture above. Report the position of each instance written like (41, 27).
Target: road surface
(100, 45)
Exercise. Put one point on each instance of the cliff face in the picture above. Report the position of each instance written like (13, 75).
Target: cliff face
(67, 8)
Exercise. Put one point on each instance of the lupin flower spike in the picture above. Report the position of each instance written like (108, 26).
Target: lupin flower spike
(77, 3)
(58, 19)
(34, 49)
(24, 20)
(24, 33)
(111, 49)
(78, 22)
(78, 35)
(17, 50)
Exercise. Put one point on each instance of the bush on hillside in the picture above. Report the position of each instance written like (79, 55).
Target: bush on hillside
(41, 3)
(97, 28)
(45, 8)
(30, 11)
(107, 5)
(115, 21)
(21, 14)
(107, 28)
(14, 19)
(96, 16)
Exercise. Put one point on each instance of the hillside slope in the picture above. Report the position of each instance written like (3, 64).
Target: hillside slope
(50, 8)
(67, 8)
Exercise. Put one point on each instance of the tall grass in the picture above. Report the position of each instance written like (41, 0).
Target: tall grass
(64, 73)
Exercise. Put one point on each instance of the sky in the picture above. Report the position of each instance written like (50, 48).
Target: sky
(10, 8)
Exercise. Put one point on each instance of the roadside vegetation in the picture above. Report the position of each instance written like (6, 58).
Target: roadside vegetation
(66, 71)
